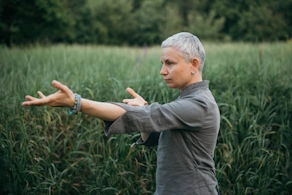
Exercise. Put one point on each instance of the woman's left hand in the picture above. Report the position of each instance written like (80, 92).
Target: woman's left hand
(64, 97)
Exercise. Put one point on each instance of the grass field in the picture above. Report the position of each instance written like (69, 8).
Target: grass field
(46, 151)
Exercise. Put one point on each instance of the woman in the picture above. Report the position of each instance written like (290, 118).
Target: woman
(185, 130)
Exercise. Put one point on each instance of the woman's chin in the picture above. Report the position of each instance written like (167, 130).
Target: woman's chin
(171, 85)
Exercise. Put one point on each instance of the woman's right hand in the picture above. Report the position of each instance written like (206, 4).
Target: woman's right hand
(137, 99)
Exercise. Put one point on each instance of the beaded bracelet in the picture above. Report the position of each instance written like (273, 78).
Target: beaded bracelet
(77, 104)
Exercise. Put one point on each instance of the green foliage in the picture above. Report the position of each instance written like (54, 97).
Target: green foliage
(259, 24)
(112, 17)
(173, 23)
(132, 22)
(146, 22)
(206, 26)
(250, 20)
(33, 21)
(253, 90)
(46, 151)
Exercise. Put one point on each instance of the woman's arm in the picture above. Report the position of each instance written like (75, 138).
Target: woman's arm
(64, 97)
(102, 110)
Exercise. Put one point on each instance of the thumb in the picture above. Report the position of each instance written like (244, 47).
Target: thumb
(132, 92)
(56, 84)
(60, 86)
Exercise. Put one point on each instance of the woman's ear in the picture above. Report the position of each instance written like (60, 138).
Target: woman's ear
(196, 64)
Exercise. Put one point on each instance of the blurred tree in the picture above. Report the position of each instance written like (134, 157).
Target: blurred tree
(194, 16)
(146, 24)
(136, 4)
(255, 20)
(206, 26)
(33, 20)
(261, 24)
(135, 22)
(78, 13)
(111, 18)
(230, 11)
(173, 23)
(185, 7)
(283, 10)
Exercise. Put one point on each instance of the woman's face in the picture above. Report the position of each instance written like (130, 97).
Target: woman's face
(176, 71)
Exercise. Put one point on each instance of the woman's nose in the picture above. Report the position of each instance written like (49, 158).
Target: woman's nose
(163, 70)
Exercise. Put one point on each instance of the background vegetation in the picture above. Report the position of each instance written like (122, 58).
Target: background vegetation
(139, 22)
(46, 151)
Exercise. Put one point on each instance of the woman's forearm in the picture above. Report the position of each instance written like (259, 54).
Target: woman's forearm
(101, 110)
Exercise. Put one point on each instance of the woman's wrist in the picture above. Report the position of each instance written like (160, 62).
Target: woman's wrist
(77, 104)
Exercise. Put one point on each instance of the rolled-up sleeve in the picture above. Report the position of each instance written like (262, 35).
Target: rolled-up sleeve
(179, 114)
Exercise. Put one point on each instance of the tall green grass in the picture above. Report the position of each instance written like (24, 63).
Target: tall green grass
(46, 151)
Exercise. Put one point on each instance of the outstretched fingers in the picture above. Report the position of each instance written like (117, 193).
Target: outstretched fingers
(32, 101)
(63, 97)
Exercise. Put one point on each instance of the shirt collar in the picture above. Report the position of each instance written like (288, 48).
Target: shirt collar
(192, 87)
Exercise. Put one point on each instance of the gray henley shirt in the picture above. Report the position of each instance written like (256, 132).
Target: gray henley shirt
(188, 130)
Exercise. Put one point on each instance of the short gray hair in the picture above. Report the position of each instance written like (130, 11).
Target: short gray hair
(188, 44)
